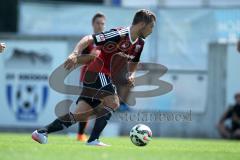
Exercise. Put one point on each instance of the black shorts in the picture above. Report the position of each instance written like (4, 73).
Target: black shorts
(95, 87)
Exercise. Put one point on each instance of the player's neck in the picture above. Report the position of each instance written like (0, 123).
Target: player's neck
(133, 33)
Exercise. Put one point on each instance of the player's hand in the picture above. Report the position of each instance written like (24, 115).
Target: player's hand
(71, 62)
(2, 47)
(131, 81)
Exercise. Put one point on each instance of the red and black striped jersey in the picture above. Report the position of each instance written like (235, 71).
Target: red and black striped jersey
(115, 41)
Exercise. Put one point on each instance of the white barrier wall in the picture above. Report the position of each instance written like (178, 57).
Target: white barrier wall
(233, 74)
(26, 64)
(189, 93)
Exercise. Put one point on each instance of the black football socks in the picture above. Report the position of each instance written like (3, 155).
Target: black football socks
(81, 127)
(101, 121)
(59, 124)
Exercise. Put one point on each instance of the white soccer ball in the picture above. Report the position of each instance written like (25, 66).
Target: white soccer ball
(140, 135)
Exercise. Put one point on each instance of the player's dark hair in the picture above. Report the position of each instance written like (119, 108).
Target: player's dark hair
(143, 15)
(98, 15)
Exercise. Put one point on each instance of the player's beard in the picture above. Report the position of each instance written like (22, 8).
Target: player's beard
(141, 35)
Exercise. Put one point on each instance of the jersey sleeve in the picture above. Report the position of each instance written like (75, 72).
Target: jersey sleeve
(104, 37)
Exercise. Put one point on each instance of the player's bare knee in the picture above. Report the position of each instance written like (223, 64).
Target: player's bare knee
(113, 105)
(112, 101)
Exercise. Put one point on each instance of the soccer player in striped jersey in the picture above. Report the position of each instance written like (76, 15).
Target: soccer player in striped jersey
(126, 42)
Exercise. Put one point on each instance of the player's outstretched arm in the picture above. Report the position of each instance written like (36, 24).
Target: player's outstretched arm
(2, 47)
(132, 66)
(76, 56)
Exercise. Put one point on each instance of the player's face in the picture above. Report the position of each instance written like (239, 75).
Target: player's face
(99, 24)
(147, 29)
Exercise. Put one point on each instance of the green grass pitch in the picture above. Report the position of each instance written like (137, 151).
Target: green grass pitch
(61, 147)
